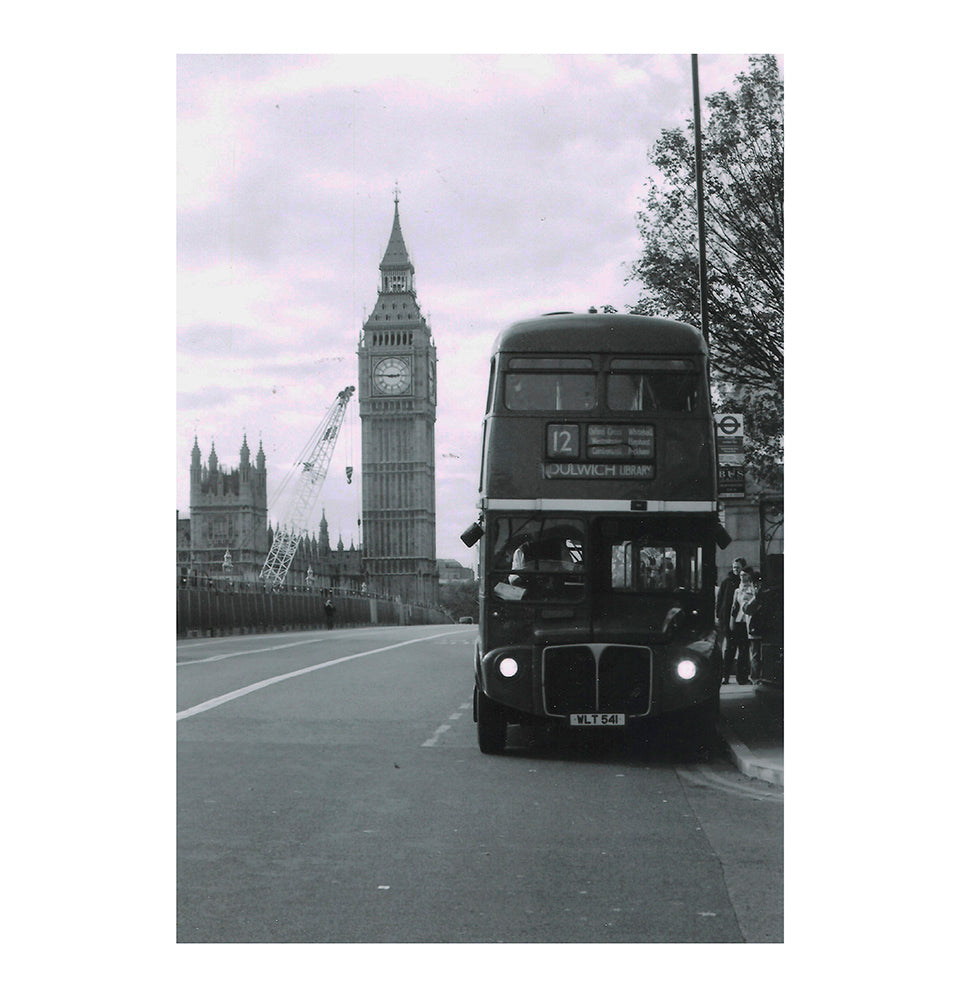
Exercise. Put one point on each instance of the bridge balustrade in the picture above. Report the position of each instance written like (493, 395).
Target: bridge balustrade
(216, 610)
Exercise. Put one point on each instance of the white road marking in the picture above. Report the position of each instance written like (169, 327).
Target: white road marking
(327, 635)
(255, 650)
(247, 689)
(431, 742)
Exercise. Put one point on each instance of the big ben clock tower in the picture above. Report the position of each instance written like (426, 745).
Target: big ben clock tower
(398, 411)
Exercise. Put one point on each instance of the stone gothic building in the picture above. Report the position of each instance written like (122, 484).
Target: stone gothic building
(227, 536)
(228, 514)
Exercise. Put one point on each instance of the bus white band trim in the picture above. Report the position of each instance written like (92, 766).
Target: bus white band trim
(599, 505)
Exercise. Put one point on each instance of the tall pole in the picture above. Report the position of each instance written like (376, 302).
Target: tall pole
(701, 224)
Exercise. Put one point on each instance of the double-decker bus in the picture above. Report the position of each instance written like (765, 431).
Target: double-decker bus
(598, 522)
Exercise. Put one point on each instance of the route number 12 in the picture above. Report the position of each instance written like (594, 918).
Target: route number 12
(563, 440)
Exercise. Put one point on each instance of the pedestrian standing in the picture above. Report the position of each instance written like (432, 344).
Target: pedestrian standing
(724, 605)
(765, 629)
(329, 609)
(754, 609)
(739, 623)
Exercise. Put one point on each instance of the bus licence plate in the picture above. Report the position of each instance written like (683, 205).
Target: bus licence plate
(598, 719)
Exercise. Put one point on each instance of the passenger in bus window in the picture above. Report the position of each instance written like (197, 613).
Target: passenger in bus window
(669, 574)
(658, 569)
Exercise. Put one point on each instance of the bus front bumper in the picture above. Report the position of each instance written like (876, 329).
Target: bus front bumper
(563, 682)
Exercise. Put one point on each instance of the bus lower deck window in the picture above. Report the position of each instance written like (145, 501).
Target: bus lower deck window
(644, 566)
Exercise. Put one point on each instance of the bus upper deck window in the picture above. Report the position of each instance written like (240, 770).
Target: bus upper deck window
(651, 384)
(491, 383)
(550, 392)
(678, 392)
(653, 392)
(629, 393)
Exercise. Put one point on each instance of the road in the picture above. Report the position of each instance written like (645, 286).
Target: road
(329, 789)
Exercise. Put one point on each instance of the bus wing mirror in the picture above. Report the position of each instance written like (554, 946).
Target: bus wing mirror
(723, 538)
(472, 534)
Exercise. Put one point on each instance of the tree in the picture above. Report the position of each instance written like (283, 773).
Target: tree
(461, 599)
(743, 206)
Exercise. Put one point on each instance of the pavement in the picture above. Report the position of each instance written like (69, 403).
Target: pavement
(751, 725)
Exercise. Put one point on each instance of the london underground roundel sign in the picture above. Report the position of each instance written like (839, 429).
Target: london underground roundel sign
(730, 424)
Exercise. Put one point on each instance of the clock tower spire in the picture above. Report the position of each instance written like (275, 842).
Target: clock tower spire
(396, 270)
(397, 398)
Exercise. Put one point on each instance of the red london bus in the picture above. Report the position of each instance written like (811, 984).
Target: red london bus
(598, 521)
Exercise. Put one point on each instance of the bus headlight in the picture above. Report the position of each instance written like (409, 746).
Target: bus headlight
(508, 667)
(686, 668)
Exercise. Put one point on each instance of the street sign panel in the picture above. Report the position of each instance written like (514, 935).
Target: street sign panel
(729, 424)
(730, 454)
(731, 481)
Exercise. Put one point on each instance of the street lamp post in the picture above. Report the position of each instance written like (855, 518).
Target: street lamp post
(701, 222)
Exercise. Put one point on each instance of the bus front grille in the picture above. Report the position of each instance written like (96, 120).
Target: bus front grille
(608, 678)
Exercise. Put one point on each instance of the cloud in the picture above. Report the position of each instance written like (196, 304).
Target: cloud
(519, 178)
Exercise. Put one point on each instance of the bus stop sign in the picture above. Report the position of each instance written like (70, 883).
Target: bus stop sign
(730, 454)
(729, 424)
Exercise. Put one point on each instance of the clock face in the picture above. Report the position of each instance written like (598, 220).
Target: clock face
(392, 376)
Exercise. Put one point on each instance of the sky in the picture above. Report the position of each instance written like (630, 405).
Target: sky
(519, 178)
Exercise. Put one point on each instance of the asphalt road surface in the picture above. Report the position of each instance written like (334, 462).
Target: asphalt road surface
(330, 789)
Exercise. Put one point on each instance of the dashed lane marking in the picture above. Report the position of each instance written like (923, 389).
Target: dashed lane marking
(431, 742)
(211, 704)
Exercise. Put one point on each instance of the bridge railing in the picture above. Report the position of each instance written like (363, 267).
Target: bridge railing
(216, 611)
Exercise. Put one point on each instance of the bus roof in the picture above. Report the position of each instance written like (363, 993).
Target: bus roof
(570, 332)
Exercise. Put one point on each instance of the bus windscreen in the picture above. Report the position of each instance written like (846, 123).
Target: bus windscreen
(538, 558)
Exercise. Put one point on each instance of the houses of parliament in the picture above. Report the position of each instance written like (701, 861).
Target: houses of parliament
(228, 534)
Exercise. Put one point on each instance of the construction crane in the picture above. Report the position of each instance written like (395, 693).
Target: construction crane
(286, 538)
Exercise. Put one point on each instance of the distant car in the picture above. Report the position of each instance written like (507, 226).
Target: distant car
(466, 619)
